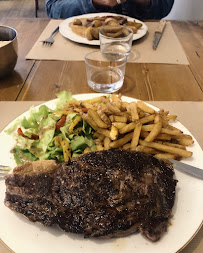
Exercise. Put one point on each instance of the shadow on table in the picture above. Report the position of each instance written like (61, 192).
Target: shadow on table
(12, 79)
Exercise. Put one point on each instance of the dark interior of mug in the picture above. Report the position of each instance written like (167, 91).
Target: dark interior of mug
(7, 33)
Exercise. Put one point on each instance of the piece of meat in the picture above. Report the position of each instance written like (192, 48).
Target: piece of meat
(29, 191)
(99, 194)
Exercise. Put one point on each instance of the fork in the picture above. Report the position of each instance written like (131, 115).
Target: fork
(4, 170)
(50, 40)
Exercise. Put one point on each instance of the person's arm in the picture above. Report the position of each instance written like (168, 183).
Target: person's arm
(68, 8)
(150, 9)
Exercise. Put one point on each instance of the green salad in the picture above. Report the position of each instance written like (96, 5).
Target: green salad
(52, 134)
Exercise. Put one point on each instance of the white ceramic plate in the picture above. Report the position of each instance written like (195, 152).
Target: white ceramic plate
(24, 236)
(67, 32)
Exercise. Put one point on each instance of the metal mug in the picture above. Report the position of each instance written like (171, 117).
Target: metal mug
(8, 50)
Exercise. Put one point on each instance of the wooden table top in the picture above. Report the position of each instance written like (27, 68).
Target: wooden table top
(40, 80)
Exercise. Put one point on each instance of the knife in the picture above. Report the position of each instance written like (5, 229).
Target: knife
(194, 171)
(158, 33)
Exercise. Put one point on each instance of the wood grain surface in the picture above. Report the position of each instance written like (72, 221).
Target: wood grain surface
(190, 33)
(41, 80)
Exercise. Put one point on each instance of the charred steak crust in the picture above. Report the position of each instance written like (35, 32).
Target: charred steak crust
(104, 194)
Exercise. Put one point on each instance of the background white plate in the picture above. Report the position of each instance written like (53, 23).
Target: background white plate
(67, 32)
(24, 236)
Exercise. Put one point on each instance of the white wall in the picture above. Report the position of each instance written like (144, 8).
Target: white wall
(186, 10)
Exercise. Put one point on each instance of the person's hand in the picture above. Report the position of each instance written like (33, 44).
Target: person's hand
(109, 3)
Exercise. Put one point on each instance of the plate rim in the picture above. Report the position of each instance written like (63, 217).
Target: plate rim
(78, 39)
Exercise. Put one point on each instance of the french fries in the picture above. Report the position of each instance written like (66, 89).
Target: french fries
(155, 130)
(145, 107)
(113, 133)
(134, 126)
(134, 111)
(168, 149)
(107, 142)
(136, 136)
(98, 121)
(122, 141)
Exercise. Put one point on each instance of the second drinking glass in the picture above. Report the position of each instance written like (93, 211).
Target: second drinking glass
(115, 45)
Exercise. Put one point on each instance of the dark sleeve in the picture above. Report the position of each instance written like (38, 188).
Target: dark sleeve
(68, 8)
(157, 10)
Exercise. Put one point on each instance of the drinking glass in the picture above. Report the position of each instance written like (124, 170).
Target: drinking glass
(114, 48)
(103, 75)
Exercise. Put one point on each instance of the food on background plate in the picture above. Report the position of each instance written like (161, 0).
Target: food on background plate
(104, 122)
(113, 26)
(110, 193)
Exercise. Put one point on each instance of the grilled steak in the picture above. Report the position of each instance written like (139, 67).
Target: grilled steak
(29, 191)
(100, 194)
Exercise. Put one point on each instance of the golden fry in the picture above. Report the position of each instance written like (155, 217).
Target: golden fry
(98, 121)
(171, 117)
(147, 119)
(104, 117)
(119, 125)
(167, 156)
(170, 131)
(126, 146)
(116, 101)
(101, 137)
(110, 107)
(103, 131)
(89, 121)
(113, 133)
(147, 128)
(128, 128)
(155, 131)
(115, 98)
(145, 107)
(133, 110)
(182, 136)
(87, 105)
(115, 118)
(141, 114)
(175, 145)
(136, 136)
(125, 106)
(99, 147)
(98, 141)
(167, 149)
(146, 150)
(185, 142)
(95, 100)
(164, 137)
(96, 135)
(107, 142)
(119, 143)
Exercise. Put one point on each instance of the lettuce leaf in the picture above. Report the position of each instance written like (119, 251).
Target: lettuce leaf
(63, 98)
